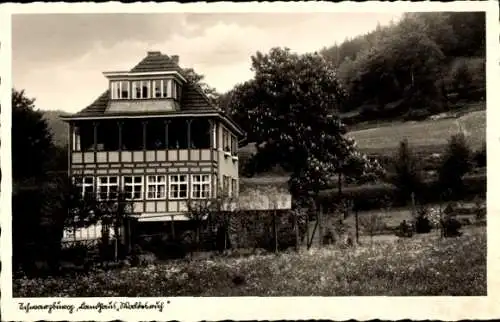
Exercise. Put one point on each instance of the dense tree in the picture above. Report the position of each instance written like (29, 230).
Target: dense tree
(31, 138)
(407, 177)
(290, 110)
(456, 163)
(411, 67)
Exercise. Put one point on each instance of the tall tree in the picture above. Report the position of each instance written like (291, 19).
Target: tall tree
(290, 109)
(31, 138)
(198, 79)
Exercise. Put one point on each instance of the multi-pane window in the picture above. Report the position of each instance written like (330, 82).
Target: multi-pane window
(141, 89)
(85, 185)
(120, 90)
(107, 187)
(132, 187)
(200, 186)
(156, 187)
(166, 89)
(178, 186)
(157, 88)
(145, 85)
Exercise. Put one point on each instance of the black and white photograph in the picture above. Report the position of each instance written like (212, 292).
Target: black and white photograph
(247, 154)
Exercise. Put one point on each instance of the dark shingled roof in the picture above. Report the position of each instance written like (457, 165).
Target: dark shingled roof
(156, 62)
(192, 98)
(97, 107)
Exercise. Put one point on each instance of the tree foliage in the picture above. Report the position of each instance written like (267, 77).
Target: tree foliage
(409, 65)
(31, 138)
(456, 163)
(407, 177)
(290, 110)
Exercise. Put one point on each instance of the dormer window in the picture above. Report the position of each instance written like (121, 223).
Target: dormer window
(141, 89)
(157, 88)
(120, 90)
(146, 89)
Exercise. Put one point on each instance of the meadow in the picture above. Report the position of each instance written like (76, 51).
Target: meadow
(429, 136)
(422, 265)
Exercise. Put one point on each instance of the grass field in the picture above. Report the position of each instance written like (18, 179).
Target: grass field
(423, 265)
(428, 135)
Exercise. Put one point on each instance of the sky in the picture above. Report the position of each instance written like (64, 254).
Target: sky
(59, 58)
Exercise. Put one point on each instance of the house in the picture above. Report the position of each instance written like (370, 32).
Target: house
(154, 135)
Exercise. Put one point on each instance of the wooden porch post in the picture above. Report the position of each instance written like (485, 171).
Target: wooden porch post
(95, 124)
(120, 140)
(166, 123)
(144, 131)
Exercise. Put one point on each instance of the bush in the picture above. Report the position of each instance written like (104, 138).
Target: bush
(422, 225)
(480, 157)
(407, 178)
(451, 227)
(456, 163)
(405, 229)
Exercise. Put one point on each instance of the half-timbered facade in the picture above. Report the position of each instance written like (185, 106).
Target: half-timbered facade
(158, 138)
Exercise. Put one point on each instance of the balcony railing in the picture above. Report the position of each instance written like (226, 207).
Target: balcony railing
(143, 156)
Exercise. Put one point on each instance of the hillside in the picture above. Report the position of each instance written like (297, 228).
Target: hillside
(57, 126)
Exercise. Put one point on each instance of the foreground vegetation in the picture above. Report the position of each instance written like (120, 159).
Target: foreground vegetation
(424, 265)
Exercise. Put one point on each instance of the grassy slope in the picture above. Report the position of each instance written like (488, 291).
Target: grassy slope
(427, 135)
(423, 265)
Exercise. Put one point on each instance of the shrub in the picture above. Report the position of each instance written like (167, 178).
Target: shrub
(480, 157)
(456, 163)
(423, 223)
(405, 229)
(451, 227)
(407, 178)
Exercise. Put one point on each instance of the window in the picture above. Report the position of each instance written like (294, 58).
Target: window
(174, 90)
(166, 89)
(85, 185)
(178, 186)
(107, 188)
(226, 188)
(200, 186)
(120, 90)
(225, 140)
(132, 187)
(145, 85)
(124, 89)
(141, 89)
(157, 88)
(136, 90)
(234, 187)
(234, 145)
(156, 187)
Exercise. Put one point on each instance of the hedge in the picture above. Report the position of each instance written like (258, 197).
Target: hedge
(373, 196)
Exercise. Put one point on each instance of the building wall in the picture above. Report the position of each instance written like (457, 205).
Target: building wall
(226, 166)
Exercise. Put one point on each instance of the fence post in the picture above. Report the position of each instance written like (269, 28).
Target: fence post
(297, 239)
(320, 224)
(357, 223)
(275, 232)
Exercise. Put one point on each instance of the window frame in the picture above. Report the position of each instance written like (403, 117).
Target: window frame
(201, 183)
(178, 183)
(133, 185)
(156, 184)
(108, 185)
(82, 185)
